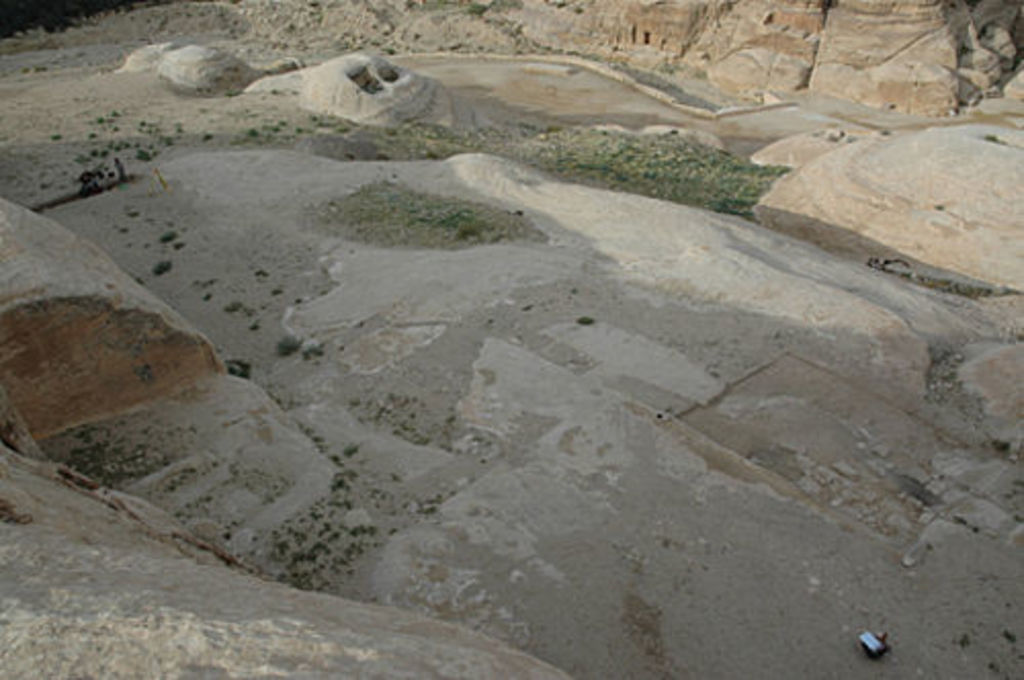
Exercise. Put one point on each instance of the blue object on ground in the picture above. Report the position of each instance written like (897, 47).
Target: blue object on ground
(874, 646)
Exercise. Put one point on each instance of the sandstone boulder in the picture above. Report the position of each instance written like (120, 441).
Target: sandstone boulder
(79, 339)
(973, 82)
(199, 70)
(943, 196)
(370, 90)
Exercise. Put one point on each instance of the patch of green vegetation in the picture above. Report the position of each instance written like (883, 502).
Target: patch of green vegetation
(994, 139)
(669, 167)
(962, 288)
(665, 166)
(389, 214)
(585, 321)
(98, 453)
(162, 267)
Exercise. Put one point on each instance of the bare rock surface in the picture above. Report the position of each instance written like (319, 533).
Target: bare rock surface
(798, 150)
(901, 55)
(154, 602)
(993, 374)
(500, 421)
(628, 437)
(941, 196)
(917, 87)
(759, 69)
(79, 338)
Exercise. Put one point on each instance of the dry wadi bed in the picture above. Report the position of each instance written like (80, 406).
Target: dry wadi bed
(631, 437)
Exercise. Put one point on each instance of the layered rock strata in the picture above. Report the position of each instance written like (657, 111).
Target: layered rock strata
(918, 56)
(79, 339)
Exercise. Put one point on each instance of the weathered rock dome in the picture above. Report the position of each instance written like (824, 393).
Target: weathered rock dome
(370, 89)
(204, 70)
(944, 196)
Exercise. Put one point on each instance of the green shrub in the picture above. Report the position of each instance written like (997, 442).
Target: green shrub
(288, 345)
(238, 368)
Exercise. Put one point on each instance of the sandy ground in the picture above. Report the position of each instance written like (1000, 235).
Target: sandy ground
(662, 444)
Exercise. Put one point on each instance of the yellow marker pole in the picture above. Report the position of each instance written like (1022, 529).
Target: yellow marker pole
(160, 177)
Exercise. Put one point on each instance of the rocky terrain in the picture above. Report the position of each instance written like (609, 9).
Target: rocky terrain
(577, 366)
(918, 56)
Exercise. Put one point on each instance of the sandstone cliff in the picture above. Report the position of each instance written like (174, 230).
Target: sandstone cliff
(918, 56)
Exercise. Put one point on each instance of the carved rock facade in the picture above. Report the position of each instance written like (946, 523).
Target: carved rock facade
(918, 56)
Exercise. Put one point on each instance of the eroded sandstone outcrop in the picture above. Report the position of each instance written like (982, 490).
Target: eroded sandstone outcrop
(918, 56)
(202, 70)
(192, 69)
(370, 90)
(898, 55)
(79, 339)
(943, 196)
(105, 585)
